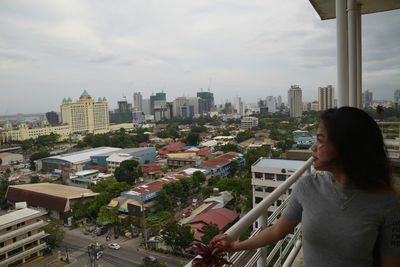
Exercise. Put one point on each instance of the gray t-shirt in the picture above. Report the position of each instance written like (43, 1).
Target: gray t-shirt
(341, 224)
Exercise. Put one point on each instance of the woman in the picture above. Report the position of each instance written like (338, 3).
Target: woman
(350, 214)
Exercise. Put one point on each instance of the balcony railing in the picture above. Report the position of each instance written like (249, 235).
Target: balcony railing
(391, 134)
(287, 248)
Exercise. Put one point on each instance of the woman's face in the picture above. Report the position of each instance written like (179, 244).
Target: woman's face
(324, 154)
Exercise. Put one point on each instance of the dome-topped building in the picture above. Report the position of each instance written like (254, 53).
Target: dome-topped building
(86, 115)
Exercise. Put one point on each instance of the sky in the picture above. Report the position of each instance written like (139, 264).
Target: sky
(254, 48)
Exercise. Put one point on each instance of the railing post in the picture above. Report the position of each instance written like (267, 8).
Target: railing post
(262, 223)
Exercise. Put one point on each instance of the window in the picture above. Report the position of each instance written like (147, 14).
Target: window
(258, 175)
(269, 175)
(258, 188)
(269, 189)
(8, 229)
(14, 239)
(278, 202)
(281, 177)
(258, 199)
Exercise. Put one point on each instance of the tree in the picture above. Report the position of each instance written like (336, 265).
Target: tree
(234, 167)
(38, 155)
(230, 148)
(160, 219)
(177, 236)
(193, 139)
(128, 171)
(164, 200)
(35, 179)
(109, 215)
(209, 231)
(55, 231)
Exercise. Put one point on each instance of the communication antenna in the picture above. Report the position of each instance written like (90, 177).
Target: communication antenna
(209, 84)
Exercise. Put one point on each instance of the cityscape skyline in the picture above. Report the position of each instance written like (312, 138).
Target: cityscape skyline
(54, 50)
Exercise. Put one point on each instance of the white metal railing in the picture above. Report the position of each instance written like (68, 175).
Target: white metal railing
(284, 247)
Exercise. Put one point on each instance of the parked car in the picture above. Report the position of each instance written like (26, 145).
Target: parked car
(150, 259)
(114, 246)
(100, 230)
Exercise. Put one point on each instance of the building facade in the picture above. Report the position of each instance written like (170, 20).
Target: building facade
(367, 98)
(86, 115)
(295, 101)
(137, 101)
(248, 122)
(209, 100)
(267, 175)
(21, 236)
(326, 97)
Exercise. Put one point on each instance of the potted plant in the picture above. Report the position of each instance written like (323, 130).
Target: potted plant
(207, 255)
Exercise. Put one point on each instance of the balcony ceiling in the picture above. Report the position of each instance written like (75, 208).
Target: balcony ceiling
(326, 8)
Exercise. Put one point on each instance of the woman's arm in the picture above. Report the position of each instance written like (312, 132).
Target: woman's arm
(267, 236)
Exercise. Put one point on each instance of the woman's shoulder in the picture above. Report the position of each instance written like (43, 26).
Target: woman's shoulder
(314, 178)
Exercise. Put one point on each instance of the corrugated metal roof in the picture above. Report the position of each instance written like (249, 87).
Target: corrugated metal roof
(17, 215)
(84, 155)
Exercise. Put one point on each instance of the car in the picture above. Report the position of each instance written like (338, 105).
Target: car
(114, 246)
(100, 231)
(151, 259)
(99, 254)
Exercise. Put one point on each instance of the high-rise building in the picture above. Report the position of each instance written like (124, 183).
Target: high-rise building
(146, 106)
(326, 97)
(123, 106)
(238, 105)
(295, 101)
(158, 97)
(397, 95)
(271, 104)
(137, 101)
(86, 115)
(209, 98)
(279, 102)
(52, 117)
(177, 104)
(194, 101)
(367, 98)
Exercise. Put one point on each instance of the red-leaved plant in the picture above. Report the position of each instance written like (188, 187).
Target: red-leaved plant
(211, 255)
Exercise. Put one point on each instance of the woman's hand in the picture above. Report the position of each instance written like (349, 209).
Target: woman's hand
(225, 242)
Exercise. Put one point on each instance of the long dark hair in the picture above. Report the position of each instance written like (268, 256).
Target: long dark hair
(359, 143)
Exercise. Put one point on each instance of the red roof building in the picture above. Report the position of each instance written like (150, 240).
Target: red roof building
(222, 217)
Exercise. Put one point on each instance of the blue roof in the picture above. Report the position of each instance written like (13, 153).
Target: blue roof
(280, 163)
(23, 121)
(44, 118)
(104, 98)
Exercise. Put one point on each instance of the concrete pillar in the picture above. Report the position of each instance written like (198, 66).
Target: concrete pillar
(342, 54)
(352, 50)
(262, 223)
(359, 56)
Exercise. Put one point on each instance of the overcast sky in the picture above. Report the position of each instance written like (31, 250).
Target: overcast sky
(254, 48)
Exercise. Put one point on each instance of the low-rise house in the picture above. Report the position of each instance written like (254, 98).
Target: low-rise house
(220, 166)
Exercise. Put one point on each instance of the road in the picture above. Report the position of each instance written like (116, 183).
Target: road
(130, 254)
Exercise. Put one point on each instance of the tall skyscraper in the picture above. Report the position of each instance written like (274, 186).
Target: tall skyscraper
(367, 98)
(158, 97)
(326, 97)
(123, 106)
(86, 115)
(52, 117)
(238, 105)
(279, 102)
(295, 101)
(209, 98)
(146, 106)
(271, 104)
(137, 101)
(177, 104)
(397, 95)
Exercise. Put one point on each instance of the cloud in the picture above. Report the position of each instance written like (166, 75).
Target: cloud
(249, 48)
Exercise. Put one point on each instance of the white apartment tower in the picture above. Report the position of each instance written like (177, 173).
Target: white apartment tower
(137, 101)
(295, 101)
(238, 105)
(86, 115)
(271, 104)
(326, 97)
